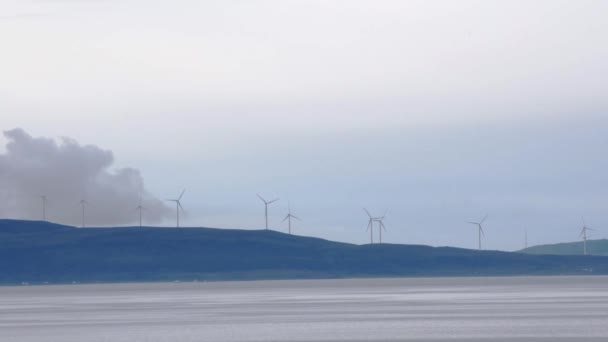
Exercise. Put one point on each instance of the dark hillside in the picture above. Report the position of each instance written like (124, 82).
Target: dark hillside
(39, 252)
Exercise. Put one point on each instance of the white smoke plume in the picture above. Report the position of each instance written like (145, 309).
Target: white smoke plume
(67, 172)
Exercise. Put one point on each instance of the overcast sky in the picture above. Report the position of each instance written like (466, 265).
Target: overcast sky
(437, 111)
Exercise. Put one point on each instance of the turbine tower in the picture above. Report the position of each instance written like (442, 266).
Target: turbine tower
(83, 204)
(178, 205)
(140, 208)
(480, 229)
(44, 201)
(266, 203)
(289, 216)
(584, 235)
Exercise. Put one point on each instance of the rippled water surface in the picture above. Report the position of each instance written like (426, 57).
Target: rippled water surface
(437, 309)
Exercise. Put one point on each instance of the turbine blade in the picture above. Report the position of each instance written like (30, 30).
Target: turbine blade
(262, 198)
(383, 226)
(274, 200)
(182, 194)
(368, 214)
(295, 217)
(482, 232)
(475, 223)
(180, 205)
(484, 218)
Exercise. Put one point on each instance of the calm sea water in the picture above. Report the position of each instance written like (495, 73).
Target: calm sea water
(438, 309)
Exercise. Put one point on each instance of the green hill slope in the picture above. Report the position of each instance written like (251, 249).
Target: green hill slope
(594, 247)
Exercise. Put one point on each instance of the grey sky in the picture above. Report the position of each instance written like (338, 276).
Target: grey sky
(439, 111)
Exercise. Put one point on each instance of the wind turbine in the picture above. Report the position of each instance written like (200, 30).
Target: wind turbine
(370, 226)
(44, 201)
(266, 203)
(178, 205)
(140, 208)
(381, 226)
(83, 204)
(584, 235)
(480, 229)
(289, 216)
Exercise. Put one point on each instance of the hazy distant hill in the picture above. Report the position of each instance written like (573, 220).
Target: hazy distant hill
(38, 252)
(594, 247)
